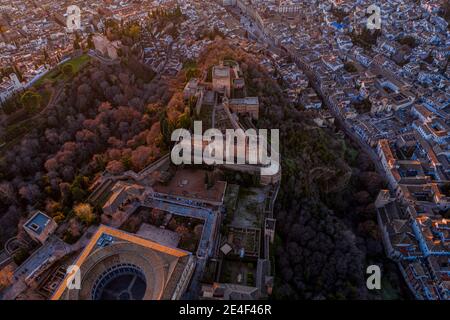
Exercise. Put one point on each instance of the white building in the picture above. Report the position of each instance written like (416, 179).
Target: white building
(9, 86)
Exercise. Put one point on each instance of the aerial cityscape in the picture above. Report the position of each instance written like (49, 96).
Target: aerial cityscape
(225, 150)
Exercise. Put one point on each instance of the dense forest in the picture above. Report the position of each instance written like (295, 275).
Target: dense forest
(106, 117)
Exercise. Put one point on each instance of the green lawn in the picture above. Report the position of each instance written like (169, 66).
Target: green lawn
(56, 73)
